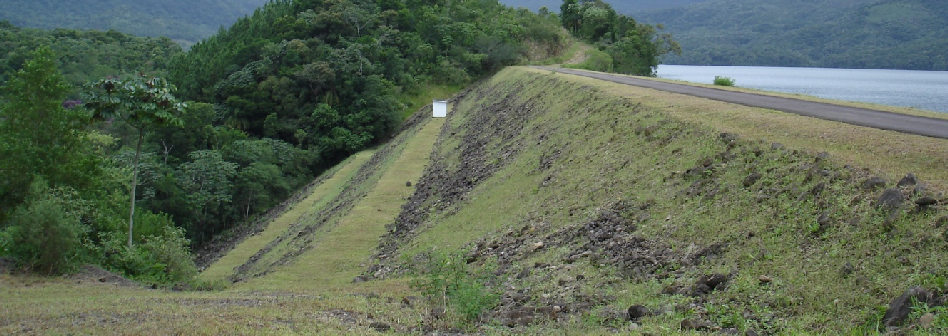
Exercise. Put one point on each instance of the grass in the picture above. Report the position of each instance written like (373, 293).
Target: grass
(341, 252)
(770, 230)
(425, 95)
(587, 147)
(877, 150)
(317, 198)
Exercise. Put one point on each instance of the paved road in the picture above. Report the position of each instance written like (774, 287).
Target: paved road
(937, 128)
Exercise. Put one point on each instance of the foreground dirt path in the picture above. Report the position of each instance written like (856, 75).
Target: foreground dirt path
(937, 128)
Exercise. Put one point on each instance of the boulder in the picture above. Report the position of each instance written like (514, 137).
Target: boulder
(638, 311)
(908, 180)
(890, 199)
(901, 307)
(874, 183)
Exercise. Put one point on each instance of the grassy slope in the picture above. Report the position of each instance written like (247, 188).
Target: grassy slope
(613, 146)
(583, 147)
(319, 196)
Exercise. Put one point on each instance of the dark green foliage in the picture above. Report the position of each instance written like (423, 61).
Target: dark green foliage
(140, 102)
(889, 34)
(300, 85)
(161, 258)
(62, 195)
(84, 56)
(634, 48)
(189, 21)
(38, 137)
(42, 235)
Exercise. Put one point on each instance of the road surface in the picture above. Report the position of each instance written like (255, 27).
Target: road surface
(937, 128)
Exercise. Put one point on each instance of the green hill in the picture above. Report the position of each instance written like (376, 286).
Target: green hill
(184, 21)
(896, 34)
(547, 203)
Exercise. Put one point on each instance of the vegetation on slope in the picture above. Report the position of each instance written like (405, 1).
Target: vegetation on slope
(703, 229)
(184, 21)
(624, 45)
(625, 198)
(890, 34)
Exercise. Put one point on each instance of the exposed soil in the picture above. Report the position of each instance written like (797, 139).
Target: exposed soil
(580, 55)
(91, 274)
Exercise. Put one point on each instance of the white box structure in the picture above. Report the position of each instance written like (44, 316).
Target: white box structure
(439, 108)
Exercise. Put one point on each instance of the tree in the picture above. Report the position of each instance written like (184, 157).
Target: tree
(141, 102)
(569, 15)
(38, 137)
(207, 182)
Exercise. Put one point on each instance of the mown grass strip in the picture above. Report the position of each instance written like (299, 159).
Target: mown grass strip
(341, 252)
(318, 197)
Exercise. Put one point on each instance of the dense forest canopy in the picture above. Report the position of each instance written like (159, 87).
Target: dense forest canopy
(186, 21)
(84, 55)
(890, 34)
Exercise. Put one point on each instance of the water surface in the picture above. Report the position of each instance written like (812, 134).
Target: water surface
(927, 90)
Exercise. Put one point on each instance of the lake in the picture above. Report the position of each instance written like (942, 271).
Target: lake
(927, 90)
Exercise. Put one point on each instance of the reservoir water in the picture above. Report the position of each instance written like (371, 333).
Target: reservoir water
(926, 90)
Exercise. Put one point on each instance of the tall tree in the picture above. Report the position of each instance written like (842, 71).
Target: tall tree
(141, 102)
(38, 137)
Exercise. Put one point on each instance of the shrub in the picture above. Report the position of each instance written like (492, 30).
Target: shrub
(162, 258)
(170, 250)
(42, 235)
(450, 280)
(723, 81)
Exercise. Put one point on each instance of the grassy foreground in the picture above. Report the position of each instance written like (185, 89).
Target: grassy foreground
(572, 193)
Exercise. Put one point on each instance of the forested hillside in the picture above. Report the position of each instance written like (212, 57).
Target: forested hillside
(898, 34)
(84, 55)
(186, 21)
(246, 118)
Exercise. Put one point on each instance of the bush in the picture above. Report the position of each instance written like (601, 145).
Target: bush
(160, 259)
(450, 280)
(723, 81)
(171, 251)
(42, 236)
